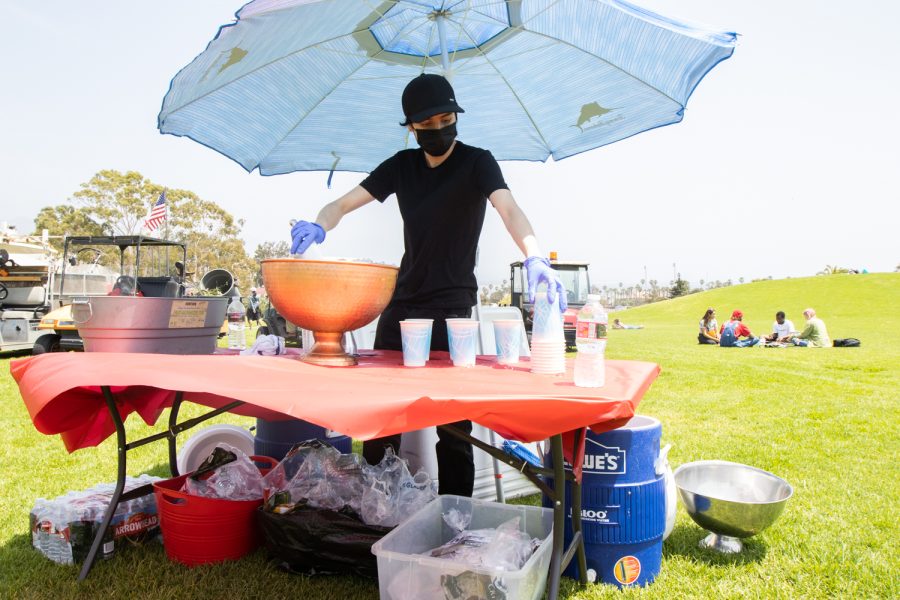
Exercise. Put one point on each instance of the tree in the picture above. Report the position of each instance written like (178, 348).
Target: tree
(279, 249)
(680, 287)
(64, 218)
(114, 203)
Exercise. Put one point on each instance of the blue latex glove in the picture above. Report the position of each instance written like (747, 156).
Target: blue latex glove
(538, 269)
(303, 234)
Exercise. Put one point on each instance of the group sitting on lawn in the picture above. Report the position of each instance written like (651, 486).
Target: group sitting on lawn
(735, 334)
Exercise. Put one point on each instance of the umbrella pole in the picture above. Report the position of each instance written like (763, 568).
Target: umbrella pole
(442, 35)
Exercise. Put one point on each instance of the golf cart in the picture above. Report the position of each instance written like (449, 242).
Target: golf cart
(575, 278)
(27, 265)
(146, 267)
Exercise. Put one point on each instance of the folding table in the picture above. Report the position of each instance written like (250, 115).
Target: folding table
(85, 397)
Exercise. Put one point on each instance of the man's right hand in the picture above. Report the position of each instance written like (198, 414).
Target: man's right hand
(303, 234)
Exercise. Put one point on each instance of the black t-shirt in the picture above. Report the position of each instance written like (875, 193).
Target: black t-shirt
(443, 211)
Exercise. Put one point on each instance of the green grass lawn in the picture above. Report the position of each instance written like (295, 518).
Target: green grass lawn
(824, 419)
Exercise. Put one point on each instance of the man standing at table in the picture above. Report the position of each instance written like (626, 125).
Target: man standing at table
(442, 190)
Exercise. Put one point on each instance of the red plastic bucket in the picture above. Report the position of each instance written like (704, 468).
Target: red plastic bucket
(198, 530)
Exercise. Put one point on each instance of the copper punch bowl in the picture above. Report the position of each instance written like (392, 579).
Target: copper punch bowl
(328, 297)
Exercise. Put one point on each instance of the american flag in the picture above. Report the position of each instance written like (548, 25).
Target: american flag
(157, 214)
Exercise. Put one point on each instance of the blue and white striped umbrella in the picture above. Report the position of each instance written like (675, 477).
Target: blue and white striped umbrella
(300, 85)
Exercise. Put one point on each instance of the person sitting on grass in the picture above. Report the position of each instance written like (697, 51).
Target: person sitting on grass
(734, 334)
(708, 328)
(814, 336)
(617, 324)
(781, 329)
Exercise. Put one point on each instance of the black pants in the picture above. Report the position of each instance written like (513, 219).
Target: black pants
(705, 340)
(456, 464)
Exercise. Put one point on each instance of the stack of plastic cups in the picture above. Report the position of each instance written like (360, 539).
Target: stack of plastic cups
(416, 339)
(463, 338)
(548, 342)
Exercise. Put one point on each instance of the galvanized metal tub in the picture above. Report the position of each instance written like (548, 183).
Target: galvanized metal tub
(152, 325)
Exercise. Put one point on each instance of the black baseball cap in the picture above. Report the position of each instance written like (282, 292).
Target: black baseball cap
(428, 95)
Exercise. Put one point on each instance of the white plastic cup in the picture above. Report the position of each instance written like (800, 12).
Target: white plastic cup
(508, 336)
(548, 321)
(414, 336)
(463, 338)
(430, 327)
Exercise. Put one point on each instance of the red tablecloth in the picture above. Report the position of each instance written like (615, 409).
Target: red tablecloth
(378, 397)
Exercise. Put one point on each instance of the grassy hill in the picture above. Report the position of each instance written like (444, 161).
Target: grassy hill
(824, 419)
(851, 306)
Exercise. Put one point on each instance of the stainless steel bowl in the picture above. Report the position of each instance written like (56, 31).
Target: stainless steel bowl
(731, 500)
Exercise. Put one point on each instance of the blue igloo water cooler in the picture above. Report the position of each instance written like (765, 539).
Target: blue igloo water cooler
(276, 438)
(623, 512)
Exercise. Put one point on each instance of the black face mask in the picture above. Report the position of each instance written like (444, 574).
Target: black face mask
(436, 141)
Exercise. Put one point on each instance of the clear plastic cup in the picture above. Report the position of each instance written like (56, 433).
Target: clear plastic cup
(414, 337)
(508, 336)
(430, 326)
(548, 321)
(463, 338)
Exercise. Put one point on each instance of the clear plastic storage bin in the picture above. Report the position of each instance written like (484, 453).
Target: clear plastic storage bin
(405, 573)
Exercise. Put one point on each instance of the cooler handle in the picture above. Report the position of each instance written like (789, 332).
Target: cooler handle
(176, 500)
(82, 302)
(268, 460)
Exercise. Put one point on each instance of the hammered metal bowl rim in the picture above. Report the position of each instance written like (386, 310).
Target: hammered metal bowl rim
(727, 463)
(354, 263)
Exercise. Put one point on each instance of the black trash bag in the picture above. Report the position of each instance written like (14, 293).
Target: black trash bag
(316, 541)
(219, 457)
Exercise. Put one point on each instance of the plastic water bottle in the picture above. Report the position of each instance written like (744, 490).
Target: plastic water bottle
(236, 338)
(590, 338)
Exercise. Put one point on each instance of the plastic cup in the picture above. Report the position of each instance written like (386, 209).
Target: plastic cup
(507, 336)
(463, 337)
(430, 327)
(548, 321)
(414, 336)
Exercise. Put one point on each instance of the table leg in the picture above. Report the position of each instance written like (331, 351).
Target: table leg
(559, 516)
(120, 484)
(576, 515)
(122, 448)
(173, 431)
(560, 556)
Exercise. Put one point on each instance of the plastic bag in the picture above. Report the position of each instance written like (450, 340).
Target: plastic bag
(279, 478)
(392, 493)
(457, 520)
(317, 541)
(505, 548)
(329, 480)
(315, 474)
(510, 548)
(228, 474)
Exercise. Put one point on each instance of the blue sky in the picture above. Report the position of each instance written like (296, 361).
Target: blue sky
(786, 160)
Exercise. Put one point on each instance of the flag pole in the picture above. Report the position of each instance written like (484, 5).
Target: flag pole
(167, 230)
